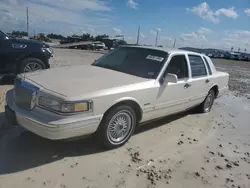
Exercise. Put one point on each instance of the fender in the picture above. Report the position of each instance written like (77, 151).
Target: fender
(127, 99)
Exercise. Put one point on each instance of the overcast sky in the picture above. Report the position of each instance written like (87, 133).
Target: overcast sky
(197, 23)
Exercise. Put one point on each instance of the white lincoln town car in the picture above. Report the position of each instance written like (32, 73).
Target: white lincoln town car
(110, 97)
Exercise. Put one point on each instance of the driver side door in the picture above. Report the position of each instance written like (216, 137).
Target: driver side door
(173, 97)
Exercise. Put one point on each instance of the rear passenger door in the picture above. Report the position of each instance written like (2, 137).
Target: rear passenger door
(200, 83)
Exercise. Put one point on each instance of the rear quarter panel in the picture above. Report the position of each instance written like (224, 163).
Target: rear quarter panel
(218, 78)
(221, 79)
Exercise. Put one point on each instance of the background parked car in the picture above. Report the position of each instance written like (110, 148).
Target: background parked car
(22, 55)
(210, 55)
(113, 43)
(98, 45)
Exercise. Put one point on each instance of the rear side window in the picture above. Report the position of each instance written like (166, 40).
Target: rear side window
(208, 66)
(197, 66)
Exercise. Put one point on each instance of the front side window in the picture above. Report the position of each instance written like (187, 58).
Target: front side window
(178, 66)
(197, 66)
(141, 62)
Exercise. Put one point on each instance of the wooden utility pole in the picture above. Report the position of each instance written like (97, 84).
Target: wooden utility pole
(138, 36)
(27, 10)
(156, 39)
(174, 42)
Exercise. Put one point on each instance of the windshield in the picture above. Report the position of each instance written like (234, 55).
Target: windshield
(141, 62)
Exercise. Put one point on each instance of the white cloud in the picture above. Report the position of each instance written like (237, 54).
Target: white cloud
(142, 35)
(95, 5)
(105, 19)
(91, 30)
(195, 36)
(188, 36)
(52, 16)
(152, 32)
(230, 13)
(117, 31)
(247, 11)
(242, 33)
(166, 38)
(202, 37)
(238, 39)
(234, 38)
(203, 31)
(203, 10)
(132, 4)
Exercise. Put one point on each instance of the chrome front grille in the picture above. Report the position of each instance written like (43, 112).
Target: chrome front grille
(24, 96)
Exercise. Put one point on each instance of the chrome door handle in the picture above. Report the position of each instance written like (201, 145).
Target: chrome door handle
(187, 85)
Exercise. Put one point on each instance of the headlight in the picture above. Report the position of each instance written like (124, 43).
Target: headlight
(48, 50)
(64, 107)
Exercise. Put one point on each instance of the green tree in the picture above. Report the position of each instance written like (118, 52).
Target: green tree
(86, 37)
(19, 33)
(55, 36)
(100, 37)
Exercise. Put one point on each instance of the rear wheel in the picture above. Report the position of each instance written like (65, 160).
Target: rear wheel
(31, 65)
(117, 126)
(208, 102)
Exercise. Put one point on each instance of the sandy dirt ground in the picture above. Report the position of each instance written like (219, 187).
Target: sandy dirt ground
(184, 150)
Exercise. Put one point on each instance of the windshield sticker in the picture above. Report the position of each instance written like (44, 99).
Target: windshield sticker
(155, 58)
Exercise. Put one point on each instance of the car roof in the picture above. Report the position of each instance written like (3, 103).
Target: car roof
(167, 50)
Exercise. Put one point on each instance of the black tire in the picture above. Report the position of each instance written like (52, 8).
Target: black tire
(206, 105)
(27, 61)
(103, 133)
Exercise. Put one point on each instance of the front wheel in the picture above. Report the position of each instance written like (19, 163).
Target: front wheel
(207, 104)
(117, 126)
(31, 65)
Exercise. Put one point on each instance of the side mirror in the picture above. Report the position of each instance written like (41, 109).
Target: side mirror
(170, 78)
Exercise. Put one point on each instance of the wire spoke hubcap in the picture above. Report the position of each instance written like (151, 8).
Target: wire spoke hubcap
(208, 102)
(32, 66)
(119, 126)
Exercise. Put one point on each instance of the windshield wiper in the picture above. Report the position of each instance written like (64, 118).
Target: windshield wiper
(107, 66)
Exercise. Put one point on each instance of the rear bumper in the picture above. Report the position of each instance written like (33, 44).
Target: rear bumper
(47, 124)
(223, 91)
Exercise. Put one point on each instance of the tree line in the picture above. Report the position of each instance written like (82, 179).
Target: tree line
(84, 36)
(19, 33)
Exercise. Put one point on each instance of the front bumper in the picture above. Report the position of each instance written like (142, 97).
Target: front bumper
(49, 125)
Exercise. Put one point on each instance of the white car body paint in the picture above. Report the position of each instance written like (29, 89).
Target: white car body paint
(106, 88)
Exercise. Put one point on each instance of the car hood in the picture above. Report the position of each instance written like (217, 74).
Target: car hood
(88, 81)
(30, 41)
